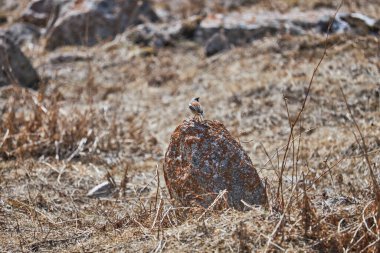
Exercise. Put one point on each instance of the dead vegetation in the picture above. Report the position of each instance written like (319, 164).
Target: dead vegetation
(316, 147)
(36, 125)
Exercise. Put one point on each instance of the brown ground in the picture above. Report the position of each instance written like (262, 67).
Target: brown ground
(114, 113)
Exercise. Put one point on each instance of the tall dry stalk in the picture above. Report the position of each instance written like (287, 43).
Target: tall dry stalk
(294, 122)
(363, 146)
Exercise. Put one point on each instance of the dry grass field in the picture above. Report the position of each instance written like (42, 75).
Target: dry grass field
(109, 115)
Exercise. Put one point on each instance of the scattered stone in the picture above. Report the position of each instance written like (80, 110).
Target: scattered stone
(360, 24)
(3, 19)
(161, 35)
(238, 27)
(38, 12)
(65, 57)
(15, 67)
(102, 190)
(219, 31)
(246, 26)
(203, 160)
(355, 23)
(154, 35)
(338, 26)
(233, 4)
(217, 43)
(239, 33)
(89, 22)
(21, 33)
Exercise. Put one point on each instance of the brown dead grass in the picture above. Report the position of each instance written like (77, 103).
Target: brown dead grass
(100, 119)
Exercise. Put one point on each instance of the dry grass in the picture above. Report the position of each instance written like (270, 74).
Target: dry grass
(110, 118)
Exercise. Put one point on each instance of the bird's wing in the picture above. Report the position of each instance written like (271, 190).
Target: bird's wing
(196, 108)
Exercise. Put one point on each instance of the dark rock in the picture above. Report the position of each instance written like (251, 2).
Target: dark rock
(91, 21)
(376, 26)
(338, 26)
(238, 30)
(360, 24)
(145, 13)
(161, 35)
(355, 23)
(3, 19)
(234, 4)
(65, 57)
(21, 33)
(156, 35)
(246, 34)
(293, 29)
(217, 43)
(39, 12)
(246, 26)
(15, 67)
(202, 160)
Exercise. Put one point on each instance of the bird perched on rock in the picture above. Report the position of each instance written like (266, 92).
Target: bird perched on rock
(196, 108)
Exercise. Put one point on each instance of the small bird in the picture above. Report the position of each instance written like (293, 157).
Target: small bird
(196, 108)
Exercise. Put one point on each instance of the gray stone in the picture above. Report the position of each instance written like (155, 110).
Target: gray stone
(232, 4)
(246, 26)
(105, 189)
(338, 26)
(360, 24)
(164, 34)
(155, 35)
(239, 30)
(39, 12)
(355, 23)
(21, 33)
(217, 43)
(15, 67)
(67, 57)
(92, 21)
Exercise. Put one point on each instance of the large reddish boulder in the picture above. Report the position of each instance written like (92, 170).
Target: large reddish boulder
(203, 159)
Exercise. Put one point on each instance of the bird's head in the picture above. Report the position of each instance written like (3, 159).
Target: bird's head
(196, 99)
